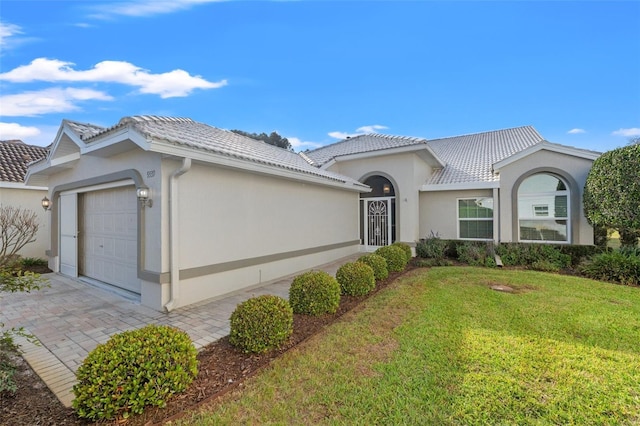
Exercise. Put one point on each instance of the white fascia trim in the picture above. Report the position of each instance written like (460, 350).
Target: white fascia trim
(389, 151)
(548, 146)
(66, 159)
(121, 135)
(459, 186)
(19, 185)
(248, 165)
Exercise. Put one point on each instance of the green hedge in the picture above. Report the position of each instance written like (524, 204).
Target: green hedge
(356, 278)
(377, 263)
(314, 293)
(132, 370)
(395, 257)
(261, 323)
(618, 266)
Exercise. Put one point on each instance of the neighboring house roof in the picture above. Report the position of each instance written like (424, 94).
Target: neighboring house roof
(15, 157)
(470, 158)
(360, 144)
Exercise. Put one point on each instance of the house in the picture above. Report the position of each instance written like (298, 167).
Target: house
(172, 211)
(15, 156)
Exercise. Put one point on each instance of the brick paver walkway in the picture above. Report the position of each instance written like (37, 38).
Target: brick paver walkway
(71, 318)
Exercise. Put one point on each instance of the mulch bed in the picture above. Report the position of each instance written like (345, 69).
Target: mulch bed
(221, 368)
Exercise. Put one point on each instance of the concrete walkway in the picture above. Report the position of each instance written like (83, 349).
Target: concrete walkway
(70, 318)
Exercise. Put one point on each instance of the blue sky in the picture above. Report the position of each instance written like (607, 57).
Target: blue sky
(317, 71)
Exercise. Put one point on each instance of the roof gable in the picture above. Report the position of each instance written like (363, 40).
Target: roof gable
(547, 146)
(15, 157)
(360, 144)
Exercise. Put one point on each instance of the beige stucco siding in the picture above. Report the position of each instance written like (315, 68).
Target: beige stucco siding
(407, 172)
(572, 169)
(29, 199)
(238, 229)
(438, 211)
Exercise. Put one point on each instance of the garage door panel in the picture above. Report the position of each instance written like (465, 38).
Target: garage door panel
(110, 237)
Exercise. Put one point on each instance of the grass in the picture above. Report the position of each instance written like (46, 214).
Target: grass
(440, 347)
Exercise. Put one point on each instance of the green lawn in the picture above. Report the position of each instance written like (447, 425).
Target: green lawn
(440, 347)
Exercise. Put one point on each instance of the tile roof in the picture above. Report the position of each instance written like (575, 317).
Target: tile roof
(358, 144)
(200, 136)
(470, 158)
(84, 130)
(15, 157)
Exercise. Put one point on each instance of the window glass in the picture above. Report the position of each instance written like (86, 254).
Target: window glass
(475, 218)
(543, 209)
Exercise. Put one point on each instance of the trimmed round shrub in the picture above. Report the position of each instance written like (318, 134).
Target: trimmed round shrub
(261, 323)
(406, 248)
(314, 293)
(356, 278)
(132, 370)
(395, 257)
(377, 263)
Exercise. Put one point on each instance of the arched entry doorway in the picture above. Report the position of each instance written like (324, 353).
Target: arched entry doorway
(378, 213)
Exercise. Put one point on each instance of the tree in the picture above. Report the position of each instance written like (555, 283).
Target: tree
(18, 227)
(612, 192)
(272, 139)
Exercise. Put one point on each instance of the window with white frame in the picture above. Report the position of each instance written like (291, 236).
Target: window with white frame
(475, 218)
(543, 209)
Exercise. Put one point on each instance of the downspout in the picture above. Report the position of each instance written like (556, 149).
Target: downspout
(174, 243)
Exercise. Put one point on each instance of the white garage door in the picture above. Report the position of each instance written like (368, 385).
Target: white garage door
(108, 237)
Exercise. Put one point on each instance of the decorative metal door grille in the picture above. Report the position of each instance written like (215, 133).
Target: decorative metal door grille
(378, 223)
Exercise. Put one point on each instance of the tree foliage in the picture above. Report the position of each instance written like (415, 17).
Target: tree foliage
(272, 139)
(612, 192)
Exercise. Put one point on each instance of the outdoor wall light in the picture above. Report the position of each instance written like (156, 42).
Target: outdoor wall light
(386, 188)
(46, 203)
(144, 195)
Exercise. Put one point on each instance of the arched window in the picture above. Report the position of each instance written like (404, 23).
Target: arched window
(543, 209)
(378, 212)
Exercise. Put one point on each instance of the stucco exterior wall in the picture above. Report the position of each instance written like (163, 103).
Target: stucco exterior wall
(407, 172)
(239, 229)
(438, 211)
(31, 199)
(572, 169)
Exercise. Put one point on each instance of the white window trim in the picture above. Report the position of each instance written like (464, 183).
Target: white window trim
(486, 219)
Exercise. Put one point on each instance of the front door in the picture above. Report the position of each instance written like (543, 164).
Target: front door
(377, 222)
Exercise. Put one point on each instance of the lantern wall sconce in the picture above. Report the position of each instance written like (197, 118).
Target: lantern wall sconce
(46, 203)
(144, 195)
(386, 188)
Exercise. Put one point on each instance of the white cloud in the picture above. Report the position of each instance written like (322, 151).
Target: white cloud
(144, 8)
(9, 131)
(171, 84)
(299, 145)
(371, 129)
(576, 131)
(359, 131)
(52, 100)
(631, 132)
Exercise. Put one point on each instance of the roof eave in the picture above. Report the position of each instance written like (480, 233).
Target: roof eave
(548, 146)
(459, 186)
(253, 166)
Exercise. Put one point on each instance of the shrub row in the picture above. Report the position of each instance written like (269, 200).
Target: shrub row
(140, 368)
(591, 261)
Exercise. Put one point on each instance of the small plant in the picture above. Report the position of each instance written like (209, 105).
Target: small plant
(406, 248)
(377, 263)
(432, 247)
(395, 257)
(33, 261)
(356, 278)
(261, 323)
(618, 266)
(132, 370)
(472, 253)
(314, 293)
